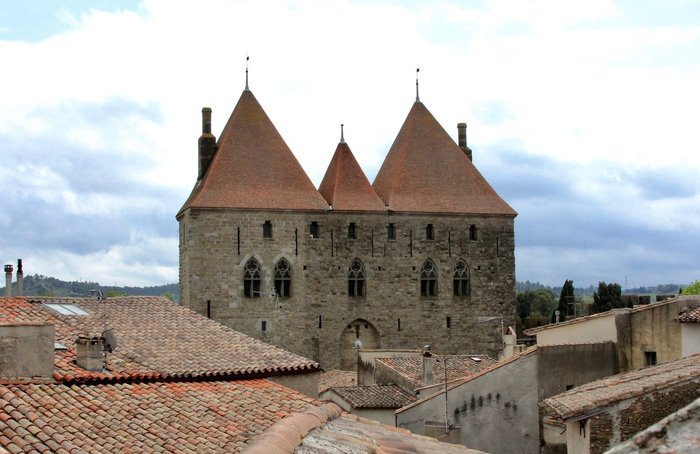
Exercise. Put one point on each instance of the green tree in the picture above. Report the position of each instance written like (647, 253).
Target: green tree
(607, 297)
(565, 297)
(168, 295)
(111, 293)
(540, 301)
(692, 289)
(524, 306)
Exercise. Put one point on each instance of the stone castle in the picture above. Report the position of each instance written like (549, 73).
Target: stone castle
(424, 255)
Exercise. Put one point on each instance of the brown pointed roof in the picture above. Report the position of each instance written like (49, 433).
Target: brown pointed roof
(253, 167)
(426, 171)
(345, 186)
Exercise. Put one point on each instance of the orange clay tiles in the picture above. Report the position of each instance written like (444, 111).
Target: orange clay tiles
(458, 366)
(253, 167)
(690, 317)
(374, 396)
(157, 339)
(334, 378)
(177, 417)
(345, 186)
(426, 171)
(595, 395)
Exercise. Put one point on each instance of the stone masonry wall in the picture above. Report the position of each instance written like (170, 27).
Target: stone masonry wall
(216, 244)
(613, 427)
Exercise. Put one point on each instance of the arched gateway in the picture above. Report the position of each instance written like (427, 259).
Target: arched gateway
(358, 330)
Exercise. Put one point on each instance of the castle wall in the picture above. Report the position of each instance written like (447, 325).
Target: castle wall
(216, 244)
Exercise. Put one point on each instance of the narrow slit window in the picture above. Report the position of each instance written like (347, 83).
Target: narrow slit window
(391, 231)
(473, 233)
(429, 232)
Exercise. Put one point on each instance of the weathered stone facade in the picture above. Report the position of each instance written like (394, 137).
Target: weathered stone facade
(221, 229)
(216, 244)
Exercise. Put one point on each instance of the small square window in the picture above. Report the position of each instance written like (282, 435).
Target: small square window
(650, 358)
(391, 231)
(267, 229)
(263, 325)
(352, 231)
(313, 230)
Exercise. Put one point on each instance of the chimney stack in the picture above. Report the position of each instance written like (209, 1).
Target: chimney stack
(20, 278)
(88, 353)
(8, 280)
(428, 377)
(462, 135)
(207, 143)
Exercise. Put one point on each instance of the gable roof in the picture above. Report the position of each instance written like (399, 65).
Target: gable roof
(156, 339)
(426, 171)
(253, 167)
(458, 366)
(335, 378)
(187, 417)
(374, 396)
(593, 397)
(345, 186)
(690, 316)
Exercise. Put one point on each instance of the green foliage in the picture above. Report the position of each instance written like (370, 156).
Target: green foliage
(535, 302)
(607, 297)
(168, 295)
(111, 293)
(692, 289)
(565, 297)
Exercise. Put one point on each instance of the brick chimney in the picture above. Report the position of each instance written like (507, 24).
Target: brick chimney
(88, 353)
(8, 280)
(428, 377)
(20, 278)
(462, 135)
(207, 143)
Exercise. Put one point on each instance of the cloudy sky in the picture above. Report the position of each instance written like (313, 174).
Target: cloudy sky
(582, 115)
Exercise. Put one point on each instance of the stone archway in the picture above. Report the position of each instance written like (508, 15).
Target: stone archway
(361, 330)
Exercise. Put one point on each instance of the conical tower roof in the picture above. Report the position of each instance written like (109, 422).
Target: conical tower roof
(253, 167)
(426, 171)
(345, 186)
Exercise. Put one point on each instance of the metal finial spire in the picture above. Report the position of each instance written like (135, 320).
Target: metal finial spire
(246, 72)
(342, 135)
(417, 97)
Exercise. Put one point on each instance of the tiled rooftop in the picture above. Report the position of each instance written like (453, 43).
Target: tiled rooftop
(253, 167)
(325, 430)
(334, 378)
(156, 339)
(690, 317)
(345, 186)
(374, 396)
(426, 171)
(458, 366)
(595, 395)
(178, 417)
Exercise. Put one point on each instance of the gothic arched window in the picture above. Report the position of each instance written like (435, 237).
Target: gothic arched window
(356, 279)
(460, 279)
(283, 279)
(251, 279)
(428, 279)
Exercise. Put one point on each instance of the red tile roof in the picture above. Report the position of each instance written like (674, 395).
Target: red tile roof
(334, 378)
(374, 396)
(178, 417)
(253, 167)
(156, 339)
(458, 366)
(594, 396)
(426, 171)
(345, 186)
(327, 430)
(690, 317)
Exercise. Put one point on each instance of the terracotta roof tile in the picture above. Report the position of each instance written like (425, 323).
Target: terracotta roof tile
(156, 339)
(426, 171)
(690, 317)
(253, 167)
(374, 396)
(345, 186)
(458, 366)
(601, 393)
(334, 378)
(212, 416)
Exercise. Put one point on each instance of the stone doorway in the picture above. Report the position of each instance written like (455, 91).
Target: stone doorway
(358, 330)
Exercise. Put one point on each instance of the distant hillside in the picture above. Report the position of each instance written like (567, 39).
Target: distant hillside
(38, 285)
(663, 289)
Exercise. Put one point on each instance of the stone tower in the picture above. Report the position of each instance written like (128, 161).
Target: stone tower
(422, 256)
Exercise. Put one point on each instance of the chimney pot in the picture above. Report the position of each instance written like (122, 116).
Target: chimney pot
(206, 120)
(462, 139)
(20, 278)
(8, 280)
(428, 377)
(207, 143)
(88, 353)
